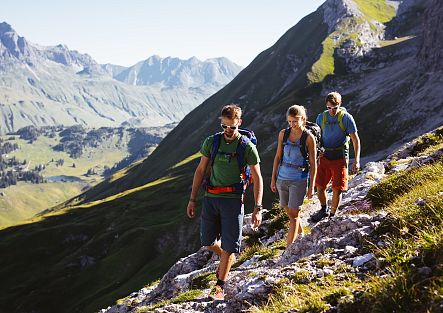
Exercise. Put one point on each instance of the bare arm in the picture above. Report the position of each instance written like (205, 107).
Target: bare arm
(312, 152)
(277, 159)
(356, 144)
(258, 193)
(199, 174)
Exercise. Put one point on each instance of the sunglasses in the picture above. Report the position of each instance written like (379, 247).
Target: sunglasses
(332, 108)
(227, 126)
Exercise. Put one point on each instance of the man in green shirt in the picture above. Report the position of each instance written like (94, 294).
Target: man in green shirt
(222, 209)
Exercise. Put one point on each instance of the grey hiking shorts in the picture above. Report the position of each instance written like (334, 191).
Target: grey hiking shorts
(291, 192)
(222, 218)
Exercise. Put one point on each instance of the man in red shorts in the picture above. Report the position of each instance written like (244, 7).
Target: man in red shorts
(337, 126)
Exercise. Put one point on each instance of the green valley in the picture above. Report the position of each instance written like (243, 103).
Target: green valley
(68, 173)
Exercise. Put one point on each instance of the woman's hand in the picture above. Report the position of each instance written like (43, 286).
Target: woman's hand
(310, 192)
(273, 186)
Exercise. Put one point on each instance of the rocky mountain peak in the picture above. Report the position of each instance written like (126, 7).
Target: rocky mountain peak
(175, 72)
(81, 62)
(5, 28)
(16, 50)
(336, 10)
(355, 28)
(11, 44)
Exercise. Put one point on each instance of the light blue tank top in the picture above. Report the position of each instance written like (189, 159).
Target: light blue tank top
(291, 167)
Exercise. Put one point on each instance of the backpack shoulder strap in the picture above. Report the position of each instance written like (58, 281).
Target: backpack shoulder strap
(241, 150)
(286, 135)
(215, 146)
(303, 146)
(284, 141)
(341, 114)
(324, 119)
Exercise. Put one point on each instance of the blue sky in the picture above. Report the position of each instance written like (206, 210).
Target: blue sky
(125, 32)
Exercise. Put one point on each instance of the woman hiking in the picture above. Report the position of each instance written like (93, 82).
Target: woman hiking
(293, 169)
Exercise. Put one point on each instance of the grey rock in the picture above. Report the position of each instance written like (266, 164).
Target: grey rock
(362, 259)
(420, 202)
(425, 271)
(350, 250)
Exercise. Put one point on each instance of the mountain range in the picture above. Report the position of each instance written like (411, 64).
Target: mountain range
(384, 57)
(45, 86)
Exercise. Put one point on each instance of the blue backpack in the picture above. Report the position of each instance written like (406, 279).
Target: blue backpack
(246, 136)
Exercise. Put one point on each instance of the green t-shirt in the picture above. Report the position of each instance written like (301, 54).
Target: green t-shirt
(226, 171)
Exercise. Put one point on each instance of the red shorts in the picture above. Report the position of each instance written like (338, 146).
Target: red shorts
(337, 170)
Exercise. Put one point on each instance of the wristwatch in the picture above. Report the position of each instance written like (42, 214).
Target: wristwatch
(259, 207)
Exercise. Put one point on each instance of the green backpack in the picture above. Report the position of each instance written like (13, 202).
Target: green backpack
(324, 122)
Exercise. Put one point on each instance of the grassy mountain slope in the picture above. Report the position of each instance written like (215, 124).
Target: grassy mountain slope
(98, 252)
(150, 222)
(24, 200)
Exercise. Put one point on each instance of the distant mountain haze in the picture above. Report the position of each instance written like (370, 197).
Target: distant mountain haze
(173, 72)
(45, 86)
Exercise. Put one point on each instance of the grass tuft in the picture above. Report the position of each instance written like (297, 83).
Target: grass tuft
(395, 185)
(378, 10)
(432, 140)
(203, 281)
(189, 295)
(265, 253)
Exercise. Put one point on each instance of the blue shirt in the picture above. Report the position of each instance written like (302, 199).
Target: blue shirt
(333, 136)
(292, 162)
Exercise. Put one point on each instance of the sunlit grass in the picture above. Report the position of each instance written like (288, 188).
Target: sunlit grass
(385, 43)
(325, 64)
(188, 159)
(378, 10)
(183, 297)
(119, 174)
(97, 202)
(24, 200)
(124, 193)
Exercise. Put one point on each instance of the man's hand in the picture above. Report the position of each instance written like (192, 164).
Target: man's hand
(256, 219)
(355, 167)
(191, 209)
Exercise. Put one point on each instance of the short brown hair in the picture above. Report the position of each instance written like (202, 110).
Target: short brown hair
(231, 111)
(333, 97)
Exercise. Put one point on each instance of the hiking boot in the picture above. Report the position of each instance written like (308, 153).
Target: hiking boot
(322, 213)
(332, 214)
(217, 293)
